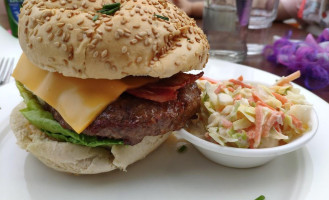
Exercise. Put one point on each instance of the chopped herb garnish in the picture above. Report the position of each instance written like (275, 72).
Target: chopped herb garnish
(162, 17)
(261, 197)
(181, 149)
(95, 18)
(109, 9)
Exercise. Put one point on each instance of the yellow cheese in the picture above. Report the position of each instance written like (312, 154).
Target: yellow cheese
(79, 101)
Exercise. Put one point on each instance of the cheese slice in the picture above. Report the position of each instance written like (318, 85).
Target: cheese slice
(79, 101)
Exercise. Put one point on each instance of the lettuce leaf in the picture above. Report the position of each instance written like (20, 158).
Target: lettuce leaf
(44, 120)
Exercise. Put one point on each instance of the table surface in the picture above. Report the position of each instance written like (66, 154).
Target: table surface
(257, 61)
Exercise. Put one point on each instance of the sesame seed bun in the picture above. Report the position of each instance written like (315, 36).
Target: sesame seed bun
(72, 38)
(77, 159)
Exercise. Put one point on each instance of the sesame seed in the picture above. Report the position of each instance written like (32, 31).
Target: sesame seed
(50, 36)
(89, 32)
(39, 39)
(69, 26)
(108, 29)
(99, 32)
(104, 53)
(28, 12)
(127, 35)
(139, 59)
(64, 47)
(144, 19)
(142, 34)
(58, 17)
(124, 49)
(133, 41)
(109, 23)
(178, 44)
(92, 0)
(116, 35)
(29, 45)
(59, 32)
(138, 37)
(48, 29)
(171, 29)
(84, 28)
(120, 31)
(189, 46)
(57, 44)
(126, 30)
(147, 42)
(80, 21)
(95, 54)
(94, 41)
(136, 26)
(62, 2)
(60, 24)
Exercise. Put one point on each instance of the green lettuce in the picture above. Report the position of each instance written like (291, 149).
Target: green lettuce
(44, 120)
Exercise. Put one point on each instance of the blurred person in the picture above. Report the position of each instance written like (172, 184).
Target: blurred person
(306, 12)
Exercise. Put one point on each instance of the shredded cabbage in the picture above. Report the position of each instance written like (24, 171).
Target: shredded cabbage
(253, 116)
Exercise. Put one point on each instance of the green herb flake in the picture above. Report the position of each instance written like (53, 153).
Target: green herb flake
(162, 17)
(182, 149)
(110, 9)
(95, 18)
(261, 197)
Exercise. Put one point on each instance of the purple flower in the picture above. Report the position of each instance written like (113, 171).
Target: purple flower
(310, 56)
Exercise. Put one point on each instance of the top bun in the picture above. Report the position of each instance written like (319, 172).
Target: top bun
(72, 38)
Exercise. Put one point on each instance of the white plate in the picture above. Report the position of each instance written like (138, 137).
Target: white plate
(166, 174)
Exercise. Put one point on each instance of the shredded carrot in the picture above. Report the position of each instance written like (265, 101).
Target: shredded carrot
(238, 97)
(250, 132)
(208, 79)
(279, 97)
(259, 101)
(230, 89)
(258, 125)
(237, 82)
(262, 103)
(226, 123)
(288, 79)
(270, 123)
(240, 78)
(220, 89)
(296, 122)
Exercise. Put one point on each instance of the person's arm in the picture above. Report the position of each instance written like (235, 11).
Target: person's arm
(197, 9)
(193, 9)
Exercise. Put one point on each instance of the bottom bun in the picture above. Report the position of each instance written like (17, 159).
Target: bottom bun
(77, 159)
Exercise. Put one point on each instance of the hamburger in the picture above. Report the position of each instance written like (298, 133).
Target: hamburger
(103, 82)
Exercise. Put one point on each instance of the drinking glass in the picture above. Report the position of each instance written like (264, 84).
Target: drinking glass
(225, 22)
(263, 13)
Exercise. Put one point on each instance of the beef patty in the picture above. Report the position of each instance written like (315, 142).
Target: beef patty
(131, 118)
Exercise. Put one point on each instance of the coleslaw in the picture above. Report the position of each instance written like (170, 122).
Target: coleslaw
(244, 115)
